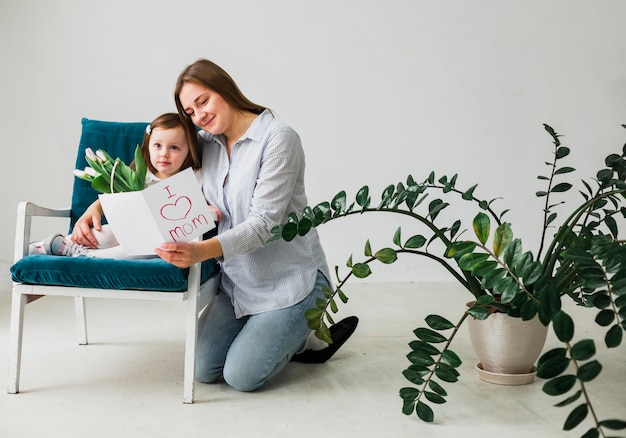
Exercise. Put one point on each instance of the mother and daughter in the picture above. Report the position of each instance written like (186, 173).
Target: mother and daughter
(252, 171)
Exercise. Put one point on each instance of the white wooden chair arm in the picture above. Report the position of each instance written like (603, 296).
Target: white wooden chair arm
(25, 212)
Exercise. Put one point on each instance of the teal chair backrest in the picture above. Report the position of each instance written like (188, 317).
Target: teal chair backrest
(118, 139)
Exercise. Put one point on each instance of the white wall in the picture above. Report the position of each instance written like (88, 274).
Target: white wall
(377, 90)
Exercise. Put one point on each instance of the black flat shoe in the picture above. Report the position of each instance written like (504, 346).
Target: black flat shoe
(339, 332)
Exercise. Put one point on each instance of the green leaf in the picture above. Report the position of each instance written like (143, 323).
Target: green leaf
(424, 412)
(361, 270)
(415, 242)
(413, 376)
(140, 168)
(459, 249)
(529, 310)
(614, 336)
(437, 322)
(485, 300)
(478, 312)
(386, 255)
(304, 226)
(437, 388)
(552, 367)
(468, 261)
(333, 306)
(468, 195)
(613, 424)
(446, 373)
(339, 203)
(451, 358)
(563, 170)
(408, 406)
(435, 207)
(569, 400)
(589, 371)
(428, 335)
(368, 249)
(387, 196)
(502, 238)
(409, 393)
(482, 227)
(290, 231)
(397, 237)
(323, 333)
(576, 417)
(362, 196)
(591, 433)
(420, 358)
(562, 152)
(559, 385)
(484, 268)
(322, 212)
(583, 350)
(434, 398)
(562, 187)
(424, 347)
(552, 354)
(563, 326)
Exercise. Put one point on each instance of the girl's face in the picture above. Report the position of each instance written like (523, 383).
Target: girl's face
(207, 109)
(168, 150)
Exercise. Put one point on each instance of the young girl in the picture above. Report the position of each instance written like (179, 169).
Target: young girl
(166, 151)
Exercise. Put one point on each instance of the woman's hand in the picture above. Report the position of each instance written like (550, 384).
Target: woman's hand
(184, 255)
(178, 254)
(91, 218)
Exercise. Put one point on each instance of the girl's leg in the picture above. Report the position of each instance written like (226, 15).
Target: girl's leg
(105, 237)
(267, 342)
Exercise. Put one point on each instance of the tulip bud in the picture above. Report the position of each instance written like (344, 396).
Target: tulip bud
(91, 172)
(90, 154)
(101, 155)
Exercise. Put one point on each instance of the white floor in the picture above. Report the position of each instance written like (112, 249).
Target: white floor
(128, 381)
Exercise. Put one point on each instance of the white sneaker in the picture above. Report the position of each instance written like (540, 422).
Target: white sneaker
(58, 244)
(36, 248)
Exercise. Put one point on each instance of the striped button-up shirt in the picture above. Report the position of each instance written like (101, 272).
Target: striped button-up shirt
(261, 183)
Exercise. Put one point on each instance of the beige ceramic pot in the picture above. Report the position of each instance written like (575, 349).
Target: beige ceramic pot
(507, 347)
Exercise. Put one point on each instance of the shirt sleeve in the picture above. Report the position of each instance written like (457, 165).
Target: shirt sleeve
(280, 171)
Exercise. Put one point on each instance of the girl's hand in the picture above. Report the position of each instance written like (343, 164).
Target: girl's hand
(91, 218)
(217, 211)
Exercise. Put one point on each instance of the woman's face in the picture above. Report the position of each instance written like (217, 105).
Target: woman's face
(168, 150)
(207, 109)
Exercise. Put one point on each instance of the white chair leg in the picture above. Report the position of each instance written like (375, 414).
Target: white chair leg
(18, 304)
(191, 335)
(81, 321)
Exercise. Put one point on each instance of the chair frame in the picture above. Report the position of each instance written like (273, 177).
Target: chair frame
(197, 296)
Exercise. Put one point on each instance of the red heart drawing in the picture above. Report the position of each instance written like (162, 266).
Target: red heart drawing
(178, 210)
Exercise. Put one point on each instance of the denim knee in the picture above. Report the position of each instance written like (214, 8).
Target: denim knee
(245, 377)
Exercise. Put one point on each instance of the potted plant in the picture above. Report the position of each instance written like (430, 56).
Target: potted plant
(581, 259)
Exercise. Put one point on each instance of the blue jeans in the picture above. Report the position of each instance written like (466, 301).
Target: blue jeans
(251, 350)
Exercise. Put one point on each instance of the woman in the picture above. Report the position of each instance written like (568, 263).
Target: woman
(253, 171)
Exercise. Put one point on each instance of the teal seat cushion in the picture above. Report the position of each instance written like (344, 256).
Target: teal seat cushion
(146, 274)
